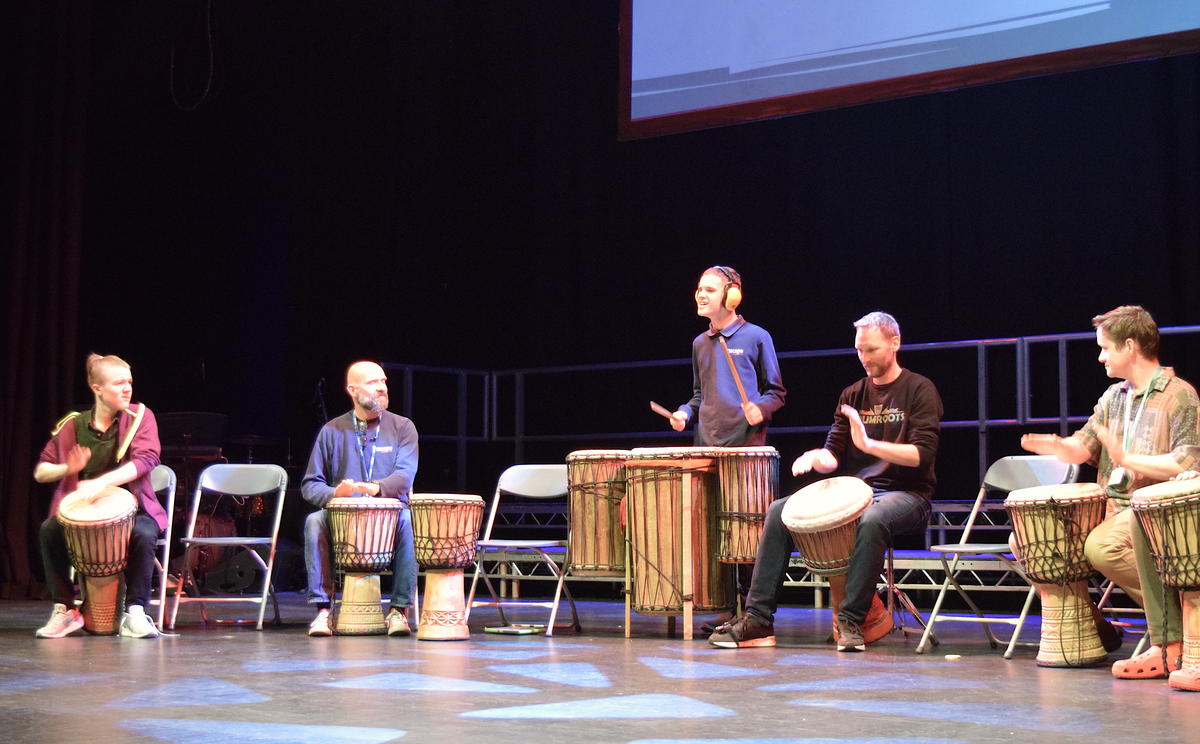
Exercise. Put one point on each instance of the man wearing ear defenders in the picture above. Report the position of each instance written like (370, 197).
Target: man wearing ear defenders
(723, 417)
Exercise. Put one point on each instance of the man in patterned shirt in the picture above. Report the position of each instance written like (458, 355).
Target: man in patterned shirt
(1142, 431)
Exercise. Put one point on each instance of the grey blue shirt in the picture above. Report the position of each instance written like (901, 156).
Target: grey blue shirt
(716, 400)
(384, 450)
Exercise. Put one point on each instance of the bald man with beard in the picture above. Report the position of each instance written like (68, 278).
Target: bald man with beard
(367, 451)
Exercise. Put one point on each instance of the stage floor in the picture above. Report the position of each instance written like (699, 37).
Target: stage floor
(233, 684)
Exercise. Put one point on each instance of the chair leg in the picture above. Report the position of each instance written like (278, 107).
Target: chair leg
(559, 589)
(1012, 642)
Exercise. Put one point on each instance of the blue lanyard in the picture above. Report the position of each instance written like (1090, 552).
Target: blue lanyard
(368, 467)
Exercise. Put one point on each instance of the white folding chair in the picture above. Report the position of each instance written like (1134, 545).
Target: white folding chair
(1006, 474)
(240, 482)
(533, 482)
(162, 480)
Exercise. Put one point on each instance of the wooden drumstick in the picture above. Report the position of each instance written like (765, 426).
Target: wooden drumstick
(733, 370)
(660, 410)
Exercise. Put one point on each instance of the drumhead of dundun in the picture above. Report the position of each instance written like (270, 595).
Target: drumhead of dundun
(1058, 492)
(112, 503)
(826, 504)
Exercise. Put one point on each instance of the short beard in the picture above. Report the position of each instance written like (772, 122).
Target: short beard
(371, 403)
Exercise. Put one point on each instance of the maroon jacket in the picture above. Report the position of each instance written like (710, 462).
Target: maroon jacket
(137, 442)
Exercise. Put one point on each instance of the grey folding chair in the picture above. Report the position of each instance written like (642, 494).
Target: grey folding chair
(162, 480)
(534, 482)
(1006, 474)
(239, 482)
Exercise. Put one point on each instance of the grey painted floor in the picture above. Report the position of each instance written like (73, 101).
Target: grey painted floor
(234, 684)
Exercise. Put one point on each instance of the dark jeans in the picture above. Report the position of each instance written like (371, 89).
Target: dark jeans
(56, 561)
(890, 513)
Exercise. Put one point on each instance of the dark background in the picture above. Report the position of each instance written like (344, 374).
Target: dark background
(441, 183)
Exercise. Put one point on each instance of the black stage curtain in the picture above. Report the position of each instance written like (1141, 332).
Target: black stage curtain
(46, 123)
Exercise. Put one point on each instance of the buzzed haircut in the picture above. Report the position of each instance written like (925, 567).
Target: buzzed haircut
(881, 320)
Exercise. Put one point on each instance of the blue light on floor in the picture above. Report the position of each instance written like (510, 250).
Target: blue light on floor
(42, 680)
(1057, 718)
(856, 660)
(181, 731)
(490, 653)
(191, 691)
(313, 665)
(577, 674)
(690, 651)
(622, 706)
(688, 669)
(424, 683)
(893, 681)
(539, 640)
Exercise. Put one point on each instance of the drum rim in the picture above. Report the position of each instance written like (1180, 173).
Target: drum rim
(599, 454)
(1149, 494)
(444, 498)
(68, 501)
(1058, 492)
(844, 516)
(364, 502)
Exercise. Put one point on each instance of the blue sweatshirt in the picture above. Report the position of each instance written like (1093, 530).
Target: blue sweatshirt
(716, 401)
(384, 451)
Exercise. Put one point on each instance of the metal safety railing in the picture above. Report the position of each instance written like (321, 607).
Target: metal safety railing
(460, 407)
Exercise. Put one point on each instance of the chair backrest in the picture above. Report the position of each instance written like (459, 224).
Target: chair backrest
(528, 481)
(241, 479)
(1018, 471)
(1025, 471)
(162, 480)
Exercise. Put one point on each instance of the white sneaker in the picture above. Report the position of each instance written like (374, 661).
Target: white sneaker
(62, 622)
(397, 624)
(136, 624)
(320, 624)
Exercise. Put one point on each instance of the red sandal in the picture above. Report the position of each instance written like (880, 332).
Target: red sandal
(1149, 663)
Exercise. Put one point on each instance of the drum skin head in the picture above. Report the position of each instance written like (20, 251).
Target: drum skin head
(598, 454)
(1166, 490)
(363, 502)
(444, 498)
(1059, 492)
(113, 502)
(826, 504)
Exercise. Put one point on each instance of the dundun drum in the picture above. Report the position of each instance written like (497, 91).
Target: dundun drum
(97, 532)
(596, 491)
(1170, 516)
(749, 478)
(1050, 525)
(823, 520)
(445, 532)
(654, 491)
(362, 531)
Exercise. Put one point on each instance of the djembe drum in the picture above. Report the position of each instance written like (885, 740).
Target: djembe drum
(823, 520)
(1050, 525)
(749, 478)
(97, 531)
(596, 489)
(672, 539)
(1169, 513)
(362, 531)
(445, 531)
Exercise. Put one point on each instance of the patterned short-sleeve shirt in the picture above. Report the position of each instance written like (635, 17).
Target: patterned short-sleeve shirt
(1170, 424)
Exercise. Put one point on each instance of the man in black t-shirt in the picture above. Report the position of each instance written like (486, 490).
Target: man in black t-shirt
(885, 431)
